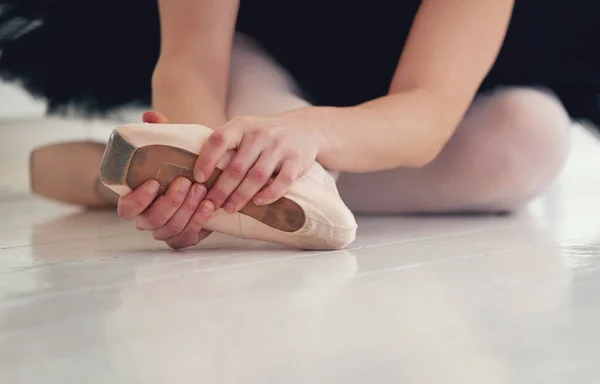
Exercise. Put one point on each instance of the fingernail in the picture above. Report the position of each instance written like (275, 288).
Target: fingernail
(199, 190)
(259, 201)
(229, 207)
(153, 187)
(207, 206)
(184, 185)
(200, 177)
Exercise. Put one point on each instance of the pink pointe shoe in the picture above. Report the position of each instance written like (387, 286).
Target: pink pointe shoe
(311, 216)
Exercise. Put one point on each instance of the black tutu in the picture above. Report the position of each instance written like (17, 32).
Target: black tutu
(99, 55)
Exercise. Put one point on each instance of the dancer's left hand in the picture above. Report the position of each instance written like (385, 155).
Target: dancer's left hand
(177, 217)
(279, 148)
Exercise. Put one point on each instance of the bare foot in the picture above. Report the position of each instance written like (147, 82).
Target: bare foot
(69, 173)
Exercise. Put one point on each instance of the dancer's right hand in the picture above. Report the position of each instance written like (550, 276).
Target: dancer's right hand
(177, 218)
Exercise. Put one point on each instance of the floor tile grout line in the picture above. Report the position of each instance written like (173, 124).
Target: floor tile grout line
(127, 255)
(20, 246)
(297, 254)
(558, 244)
(447, 260)
(105, 287)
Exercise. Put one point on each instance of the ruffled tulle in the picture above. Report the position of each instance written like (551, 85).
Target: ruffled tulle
(90, 55)
(99, 55)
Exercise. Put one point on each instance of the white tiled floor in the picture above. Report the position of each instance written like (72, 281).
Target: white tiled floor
(87, 299)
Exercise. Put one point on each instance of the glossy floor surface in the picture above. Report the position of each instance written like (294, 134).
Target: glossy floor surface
(84, 298)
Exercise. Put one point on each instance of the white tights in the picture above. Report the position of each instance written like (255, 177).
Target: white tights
(509, 148)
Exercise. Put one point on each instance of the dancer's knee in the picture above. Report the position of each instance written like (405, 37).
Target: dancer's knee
(529, 145)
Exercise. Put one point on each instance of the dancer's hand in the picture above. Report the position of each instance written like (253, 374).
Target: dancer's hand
(177, 217)
(279, 148)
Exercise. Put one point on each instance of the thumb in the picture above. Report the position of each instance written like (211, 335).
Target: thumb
(154, 118)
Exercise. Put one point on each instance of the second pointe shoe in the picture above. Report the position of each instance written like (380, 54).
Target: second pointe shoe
(310, 216)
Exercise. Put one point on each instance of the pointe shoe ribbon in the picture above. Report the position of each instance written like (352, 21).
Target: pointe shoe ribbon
(310, 216)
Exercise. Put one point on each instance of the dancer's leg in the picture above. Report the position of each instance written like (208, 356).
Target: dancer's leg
(68, 173)
(511, 145)
(259, 86)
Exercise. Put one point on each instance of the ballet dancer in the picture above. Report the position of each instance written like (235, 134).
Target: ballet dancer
(429, 106)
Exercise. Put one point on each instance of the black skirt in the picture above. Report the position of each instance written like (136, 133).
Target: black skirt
(100, 55)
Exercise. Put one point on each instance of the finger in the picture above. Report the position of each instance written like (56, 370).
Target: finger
(247, 155)
(138, 200)
(256, 180)
(191, 234)
(164, 207)
(290, 171)
(226, 138)
(186, 239)
(200, 217)
(154, 118)
(181, 218)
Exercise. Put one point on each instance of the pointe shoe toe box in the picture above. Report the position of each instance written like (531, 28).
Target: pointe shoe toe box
(329, 223)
